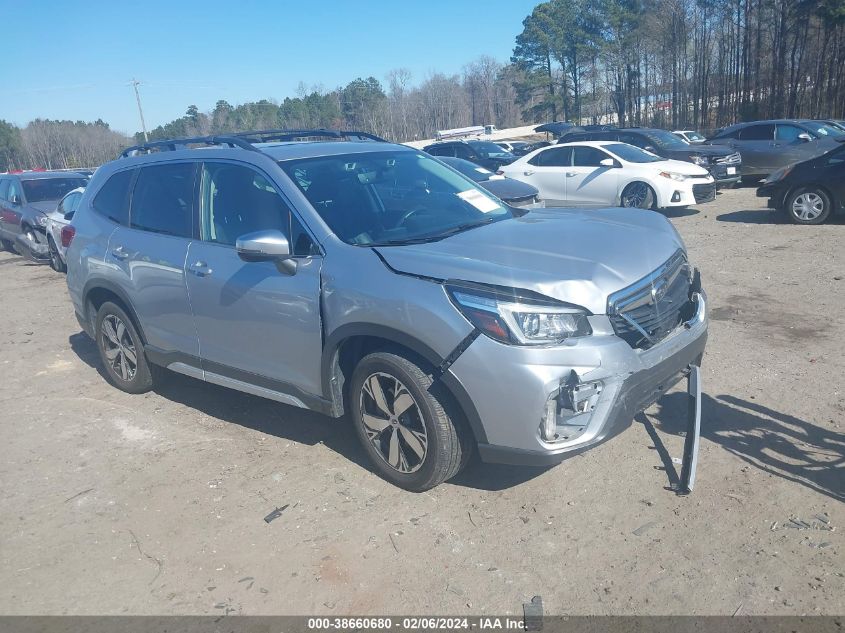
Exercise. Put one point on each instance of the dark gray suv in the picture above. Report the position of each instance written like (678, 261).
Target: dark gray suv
(766, 146)
(365, 278)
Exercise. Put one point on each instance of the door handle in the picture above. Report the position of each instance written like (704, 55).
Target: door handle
(569, 174)
(528, 173)
(200, 269)
(119, 253)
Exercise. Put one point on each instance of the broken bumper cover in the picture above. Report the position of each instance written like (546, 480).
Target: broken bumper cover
(34, 249)
(512, 387)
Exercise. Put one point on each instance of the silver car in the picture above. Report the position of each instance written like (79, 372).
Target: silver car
(361, 278)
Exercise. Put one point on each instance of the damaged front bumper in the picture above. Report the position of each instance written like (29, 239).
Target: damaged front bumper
(33, 245)
(538, 406)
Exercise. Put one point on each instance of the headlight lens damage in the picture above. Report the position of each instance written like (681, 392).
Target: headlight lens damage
(514, 320)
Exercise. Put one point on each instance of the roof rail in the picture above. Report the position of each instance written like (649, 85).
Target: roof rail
(182, 143)
(264, 136)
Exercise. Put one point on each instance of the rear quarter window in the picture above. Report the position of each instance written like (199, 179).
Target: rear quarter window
(112, 200)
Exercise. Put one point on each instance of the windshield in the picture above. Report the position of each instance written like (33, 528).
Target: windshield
(49, 189)
(487, 149)
(823, 130)
(666, 140)
(468, 169)
(632, 154)
(392, 197)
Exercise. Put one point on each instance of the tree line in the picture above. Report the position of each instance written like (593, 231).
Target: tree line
(701, 64)
(683, 63)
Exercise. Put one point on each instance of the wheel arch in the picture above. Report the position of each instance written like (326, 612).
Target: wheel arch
(97, 292)
(351, 342)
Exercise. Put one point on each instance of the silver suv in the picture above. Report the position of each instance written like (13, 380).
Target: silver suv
(356, 277)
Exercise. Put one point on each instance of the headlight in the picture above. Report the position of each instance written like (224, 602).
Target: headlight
(509, 319)
(779, 174)
(699, 160)
(42, 220)
(673, 176)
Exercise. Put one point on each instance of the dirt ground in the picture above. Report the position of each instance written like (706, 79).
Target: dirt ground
(155, 504)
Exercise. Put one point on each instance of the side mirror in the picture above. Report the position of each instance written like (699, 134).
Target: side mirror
(608, 162)
(266, 246)
(15, 200)
(804, 137)
(69, 216)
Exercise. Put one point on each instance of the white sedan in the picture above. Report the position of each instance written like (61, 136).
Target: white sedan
(605, 173)
(56, 221)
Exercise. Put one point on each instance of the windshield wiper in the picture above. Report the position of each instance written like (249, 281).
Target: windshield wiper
(435, 237)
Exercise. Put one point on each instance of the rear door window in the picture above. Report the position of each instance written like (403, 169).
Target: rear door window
(163, 199)
(112, 200)
(553, 157)
(765, 132)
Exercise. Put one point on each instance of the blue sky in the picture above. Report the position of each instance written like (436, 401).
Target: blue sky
(78, 58)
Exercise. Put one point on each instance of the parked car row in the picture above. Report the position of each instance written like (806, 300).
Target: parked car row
(595, 173)
(364, 279)
(27, 200)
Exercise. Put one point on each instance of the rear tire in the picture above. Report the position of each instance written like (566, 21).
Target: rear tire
(121, 350)
(6, 245)
(638, 195)
(405, 422)
(808, 205)
(56, 262)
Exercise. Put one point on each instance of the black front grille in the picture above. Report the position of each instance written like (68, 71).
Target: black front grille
(704, 192)
(646, 312)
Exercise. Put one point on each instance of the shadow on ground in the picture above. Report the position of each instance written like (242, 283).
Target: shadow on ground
(753, 216)
(682, 212)
(294, 424)
(775, 442)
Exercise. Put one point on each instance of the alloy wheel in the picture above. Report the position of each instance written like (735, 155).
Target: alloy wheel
(635, 195)
(808, 206)
(393, 422)
(118, 347)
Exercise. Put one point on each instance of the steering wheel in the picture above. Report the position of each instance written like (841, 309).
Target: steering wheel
(409, 214)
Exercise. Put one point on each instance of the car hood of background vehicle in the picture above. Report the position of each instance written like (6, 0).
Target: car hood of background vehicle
(508, 188)
(43, 207)
(701, 150)
(571, 255)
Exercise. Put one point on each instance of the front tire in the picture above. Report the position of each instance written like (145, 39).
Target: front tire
(403, 422)
(121, 350)
(808, 205)
(638, 195)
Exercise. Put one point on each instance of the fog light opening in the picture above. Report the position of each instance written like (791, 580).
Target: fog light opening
(676, 197)
(549, 427)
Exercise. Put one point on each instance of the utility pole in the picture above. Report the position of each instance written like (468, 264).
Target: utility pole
(135, 84)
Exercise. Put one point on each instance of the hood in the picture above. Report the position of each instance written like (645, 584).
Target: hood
(682, 167)
(571, 255)
(701, 150)
(43, 207)
(508, 188)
